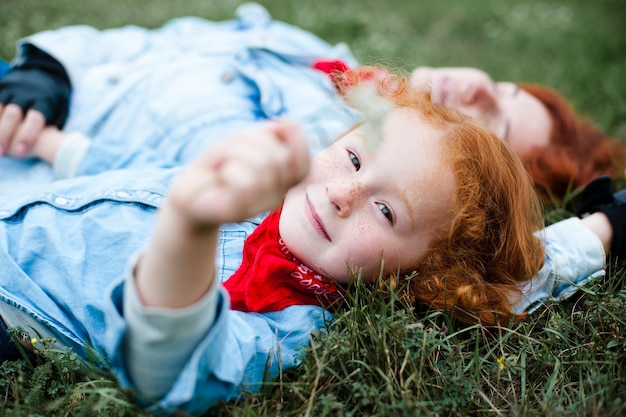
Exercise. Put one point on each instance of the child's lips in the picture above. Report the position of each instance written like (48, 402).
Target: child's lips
(315, 219)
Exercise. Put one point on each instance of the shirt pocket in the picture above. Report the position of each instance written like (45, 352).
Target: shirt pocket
(229, 253)
(230, 245)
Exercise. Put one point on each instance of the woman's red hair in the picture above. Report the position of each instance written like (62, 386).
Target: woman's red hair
(577, 153)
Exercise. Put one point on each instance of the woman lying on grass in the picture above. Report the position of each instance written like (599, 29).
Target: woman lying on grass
(562, 150)
(427, 198)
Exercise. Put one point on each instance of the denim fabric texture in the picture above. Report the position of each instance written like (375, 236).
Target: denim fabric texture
(66, 250)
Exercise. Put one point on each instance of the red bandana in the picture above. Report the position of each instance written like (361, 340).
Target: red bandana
(339, 72)
(270, 278)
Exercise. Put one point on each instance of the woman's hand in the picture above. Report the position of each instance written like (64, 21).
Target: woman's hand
(31, 138)
(47, 144)
(18, 131)
(33, 94)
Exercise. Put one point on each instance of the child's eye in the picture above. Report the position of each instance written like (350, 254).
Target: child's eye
(386, 212)
(355, 160)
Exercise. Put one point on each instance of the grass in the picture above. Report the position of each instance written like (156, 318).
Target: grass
(382, 359)
(379, 358)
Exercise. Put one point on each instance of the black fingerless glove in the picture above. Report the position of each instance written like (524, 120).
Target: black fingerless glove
(40, 83)
(598, 196)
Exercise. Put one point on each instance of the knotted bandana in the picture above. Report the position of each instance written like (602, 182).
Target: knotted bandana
(270, 278)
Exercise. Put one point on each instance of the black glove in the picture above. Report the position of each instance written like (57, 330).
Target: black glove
(40, 83)
(598, 196)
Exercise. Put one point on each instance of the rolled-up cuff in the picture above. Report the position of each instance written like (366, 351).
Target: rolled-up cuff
(159, 341)
(574, 256)
(70, 155)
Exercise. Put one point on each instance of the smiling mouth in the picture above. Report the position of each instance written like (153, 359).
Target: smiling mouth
(315, 219)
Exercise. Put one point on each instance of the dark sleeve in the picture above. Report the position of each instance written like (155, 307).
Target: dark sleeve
(598, 196)
(39, 82)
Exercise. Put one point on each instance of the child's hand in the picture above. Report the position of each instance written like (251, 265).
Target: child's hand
(44, 146)
(242, 176)
(47, 144)
(18, 131)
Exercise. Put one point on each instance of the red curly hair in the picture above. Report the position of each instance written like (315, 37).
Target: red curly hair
(577, 153)
(474, 269)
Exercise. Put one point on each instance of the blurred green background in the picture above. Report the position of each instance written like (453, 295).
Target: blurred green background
(576, 46)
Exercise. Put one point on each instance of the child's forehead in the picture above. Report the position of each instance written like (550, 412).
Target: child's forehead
(409, 145)
(405, 133)
(416, 147)
(407, 130)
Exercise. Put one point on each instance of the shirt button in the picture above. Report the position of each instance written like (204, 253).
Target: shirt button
(60, 201)
(227, 77)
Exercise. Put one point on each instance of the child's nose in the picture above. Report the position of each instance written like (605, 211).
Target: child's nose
(345, 196)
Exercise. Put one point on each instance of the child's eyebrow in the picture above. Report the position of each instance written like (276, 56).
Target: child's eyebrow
(407, 205)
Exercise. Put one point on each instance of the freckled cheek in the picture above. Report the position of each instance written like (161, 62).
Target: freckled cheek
(370, 245)
(362, 226)
(367, 245)
(359, 200)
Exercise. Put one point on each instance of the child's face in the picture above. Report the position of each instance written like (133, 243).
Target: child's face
(358, 206)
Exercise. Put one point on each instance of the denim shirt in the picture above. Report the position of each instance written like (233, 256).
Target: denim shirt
(158, 97)
(66, 250)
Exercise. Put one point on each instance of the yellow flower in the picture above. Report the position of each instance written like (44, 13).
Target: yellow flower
(33, 340)
(500, 361)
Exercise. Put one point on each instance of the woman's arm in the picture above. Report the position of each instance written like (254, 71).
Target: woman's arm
(577, 248)
(599, 224)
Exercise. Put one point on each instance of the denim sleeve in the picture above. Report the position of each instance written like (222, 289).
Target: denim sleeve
(238, 352)
(159, 340)
(574, 256)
